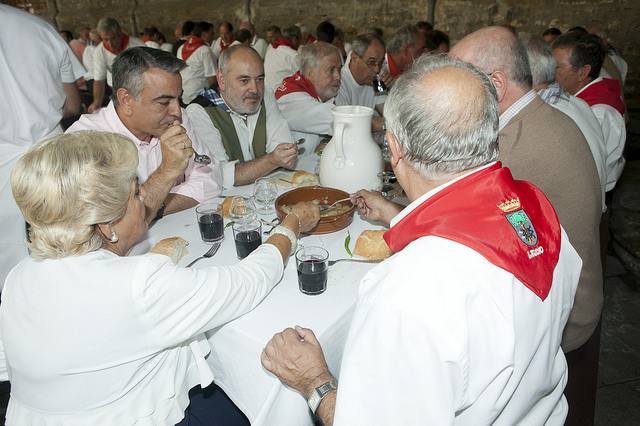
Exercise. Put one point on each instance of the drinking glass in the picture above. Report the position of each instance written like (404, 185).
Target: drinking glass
(312, 265)
(242, 209)
(210, 222)
(247, 236)
(265, 193)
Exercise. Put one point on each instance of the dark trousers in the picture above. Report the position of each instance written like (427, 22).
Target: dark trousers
(212, 407)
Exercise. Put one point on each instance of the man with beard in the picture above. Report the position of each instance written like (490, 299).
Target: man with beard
(244, 127)
(146, 108)
(307, 97)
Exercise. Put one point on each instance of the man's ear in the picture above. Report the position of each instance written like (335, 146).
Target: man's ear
(394, 148)
(583, 73)
(500, 82)
(125, 101)
(220, 78)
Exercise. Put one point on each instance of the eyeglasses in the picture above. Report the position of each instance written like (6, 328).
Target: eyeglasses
(371, 62)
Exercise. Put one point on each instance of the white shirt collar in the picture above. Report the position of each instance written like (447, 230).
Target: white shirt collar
(397, 218)
(597, 80)
(515, 108)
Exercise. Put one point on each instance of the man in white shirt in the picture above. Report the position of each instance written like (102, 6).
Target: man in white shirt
(462, 325)
(114, 41)
(258, 44)
(200, 72)
(364, 63)
(580, 58)
(242, 125)
(146, 109)
(306, 98)
(404, 46)
(41, 67)
(225, 39)
(543, 69)
(282, 60)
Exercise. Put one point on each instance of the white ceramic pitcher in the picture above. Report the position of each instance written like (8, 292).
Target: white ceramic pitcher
(351, 160)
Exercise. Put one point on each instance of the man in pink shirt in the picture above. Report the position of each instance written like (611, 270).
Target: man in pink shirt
(145, 108)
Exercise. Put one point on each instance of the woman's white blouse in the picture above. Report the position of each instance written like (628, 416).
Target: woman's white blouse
(106, 340)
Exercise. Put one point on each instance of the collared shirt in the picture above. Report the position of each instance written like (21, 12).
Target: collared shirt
(199, 67)
(515, 108)
(259, 45)
(352, 93)
(245, 126)
(198, 182)
(615, 135)
(455, 339)
(581, 114)
(103, 60)
(279, 64)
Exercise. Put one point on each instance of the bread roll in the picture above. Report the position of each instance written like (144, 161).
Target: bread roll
(174, 247)
(371, 245)
(226, 206)
(302, 178)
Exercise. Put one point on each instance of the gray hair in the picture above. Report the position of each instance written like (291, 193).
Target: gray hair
(107, 25)
(312, 54)
(507, 54)
(404, 36)
(225, 56)
(361, 43)
(68, 184)
(129, 67)
(292, 32)
(440, 137)
(541, 61)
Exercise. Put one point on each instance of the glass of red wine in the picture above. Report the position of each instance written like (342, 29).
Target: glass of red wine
(247, 236)
(312, 264)
(210, 222)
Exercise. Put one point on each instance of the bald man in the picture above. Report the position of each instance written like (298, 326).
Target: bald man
(543, 145)
(243, 127)
(451, 329)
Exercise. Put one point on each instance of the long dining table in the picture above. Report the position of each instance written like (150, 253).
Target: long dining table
(236, 346)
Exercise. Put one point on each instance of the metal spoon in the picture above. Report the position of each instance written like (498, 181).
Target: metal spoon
(324, 207)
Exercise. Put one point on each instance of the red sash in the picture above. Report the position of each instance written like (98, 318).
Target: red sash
(606, 92)
(190, 46)
(296, 83)
(124, 42)
(282, 42)
(509, 222)
(223, 45)
(393, 68)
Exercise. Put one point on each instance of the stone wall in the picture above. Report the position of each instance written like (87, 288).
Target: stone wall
(618, 18)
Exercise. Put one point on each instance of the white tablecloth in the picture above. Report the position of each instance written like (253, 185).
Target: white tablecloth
(236, 347)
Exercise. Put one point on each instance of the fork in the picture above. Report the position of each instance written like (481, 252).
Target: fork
(333, 262)
(213, 250)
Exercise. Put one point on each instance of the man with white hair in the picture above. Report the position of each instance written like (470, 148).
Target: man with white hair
(242, 124)
(462, 325)
(365, 61)
(258, 44)
(282, 60)
(306, 98)
(543, 70)
(114, 41)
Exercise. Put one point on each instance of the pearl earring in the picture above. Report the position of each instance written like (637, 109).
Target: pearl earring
(114, 237)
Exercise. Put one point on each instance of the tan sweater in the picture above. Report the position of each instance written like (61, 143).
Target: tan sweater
(544, 146)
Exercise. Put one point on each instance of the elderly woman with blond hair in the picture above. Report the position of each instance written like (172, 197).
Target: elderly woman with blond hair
(91, 336)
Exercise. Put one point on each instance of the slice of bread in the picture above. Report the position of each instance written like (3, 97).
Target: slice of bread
(302, 178)
(371, 245)
(174, 247)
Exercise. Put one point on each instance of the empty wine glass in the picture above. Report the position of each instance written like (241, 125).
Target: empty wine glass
(265, 193)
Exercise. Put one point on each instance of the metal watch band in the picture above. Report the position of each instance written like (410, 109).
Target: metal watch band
(319, 393)
(287, 233)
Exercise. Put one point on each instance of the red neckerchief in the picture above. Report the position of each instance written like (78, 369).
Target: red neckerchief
(311, 39)
(124, 42)
(509, 222)
(190, 46)
(223, 45)
(393, 68)
(296, 83)
(282, 42)
(146, 38)
(606, 92)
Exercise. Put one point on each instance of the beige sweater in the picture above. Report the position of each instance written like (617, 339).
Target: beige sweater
(544, 146)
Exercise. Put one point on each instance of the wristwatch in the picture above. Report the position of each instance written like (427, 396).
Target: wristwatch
(319, 393)
(287, 233)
